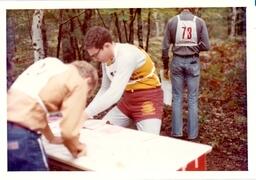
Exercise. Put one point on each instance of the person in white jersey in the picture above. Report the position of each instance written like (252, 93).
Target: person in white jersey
(188, 35)
(46, 86)
(129, 82)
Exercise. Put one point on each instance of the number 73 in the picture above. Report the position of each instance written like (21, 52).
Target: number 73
(187, 32)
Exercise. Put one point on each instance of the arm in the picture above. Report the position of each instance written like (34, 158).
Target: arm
(166, 45)
(105, 83)
(72, 110)
(204, 44)
(116, 88)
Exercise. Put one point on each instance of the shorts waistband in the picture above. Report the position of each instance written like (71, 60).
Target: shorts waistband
(138, 90)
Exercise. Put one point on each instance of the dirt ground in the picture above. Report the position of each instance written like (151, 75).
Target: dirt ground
(229, 143)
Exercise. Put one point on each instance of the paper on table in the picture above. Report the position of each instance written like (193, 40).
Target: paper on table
(94, 123)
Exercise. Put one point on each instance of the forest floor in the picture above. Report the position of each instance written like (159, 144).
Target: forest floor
(222, 107)
(227, 138)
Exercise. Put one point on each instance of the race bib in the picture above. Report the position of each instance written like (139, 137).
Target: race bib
(186, 33)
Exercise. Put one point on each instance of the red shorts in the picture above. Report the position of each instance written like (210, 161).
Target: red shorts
(142, 104)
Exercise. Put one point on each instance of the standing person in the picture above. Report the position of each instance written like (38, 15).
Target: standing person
(46, 86)
(189, 35)
(129, 79)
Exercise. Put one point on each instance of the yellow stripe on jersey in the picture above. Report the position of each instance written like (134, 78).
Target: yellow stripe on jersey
(144, 77)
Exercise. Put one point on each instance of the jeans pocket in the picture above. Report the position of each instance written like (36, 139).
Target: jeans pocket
(194, 69)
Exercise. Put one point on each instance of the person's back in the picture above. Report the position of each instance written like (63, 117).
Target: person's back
(40, 89)
(46, 86)
(202, 43)
(188, 36)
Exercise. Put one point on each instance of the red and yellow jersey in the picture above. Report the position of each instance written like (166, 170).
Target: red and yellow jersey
(144, 77)
(131, 69)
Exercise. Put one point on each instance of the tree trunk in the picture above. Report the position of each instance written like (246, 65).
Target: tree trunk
(241, 21)
(148, 34)
(157, 24)
(68, 52)
(37, 38)
(118, 28)
(131, 28)
(102, 20)
(10, 48)
(44, 36)
(29, 24)
(125, 27)
(139, 31)
(86, 24)
(60, 33)
(73, 39)
(233, 22)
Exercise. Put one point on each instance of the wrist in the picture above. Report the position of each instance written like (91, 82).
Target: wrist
(71, 144)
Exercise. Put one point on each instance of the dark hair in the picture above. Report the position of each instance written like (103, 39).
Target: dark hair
(96, 37)
(192, 10)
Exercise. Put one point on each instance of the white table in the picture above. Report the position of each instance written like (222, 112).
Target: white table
(113, 148)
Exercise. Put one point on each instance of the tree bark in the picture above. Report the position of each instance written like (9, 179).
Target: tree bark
(157, 24)
(44, 36)
(148, 34)
(68, 52)
(37, 38)
(10, 48)
(29, 24)
(233, 22)
(86, 24)
(118, 27)
(102, 20)
(131, 28)
(60, 33)
(125, 27)
(241, 21)
(139, 31)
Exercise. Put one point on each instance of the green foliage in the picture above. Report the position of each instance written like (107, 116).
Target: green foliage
(217, 21)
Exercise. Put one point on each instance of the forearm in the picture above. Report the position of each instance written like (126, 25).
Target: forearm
(165, 48)
(165, 58)
(73, 118)
(71, 144)
(115, 90)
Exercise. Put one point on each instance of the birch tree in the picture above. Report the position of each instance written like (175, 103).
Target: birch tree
(233, 22)
(157, 23)
(37, 38)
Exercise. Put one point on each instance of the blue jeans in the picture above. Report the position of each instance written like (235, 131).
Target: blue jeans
(25, 150)
(185, 70)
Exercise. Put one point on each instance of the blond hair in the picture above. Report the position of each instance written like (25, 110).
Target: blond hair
(86, 70)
